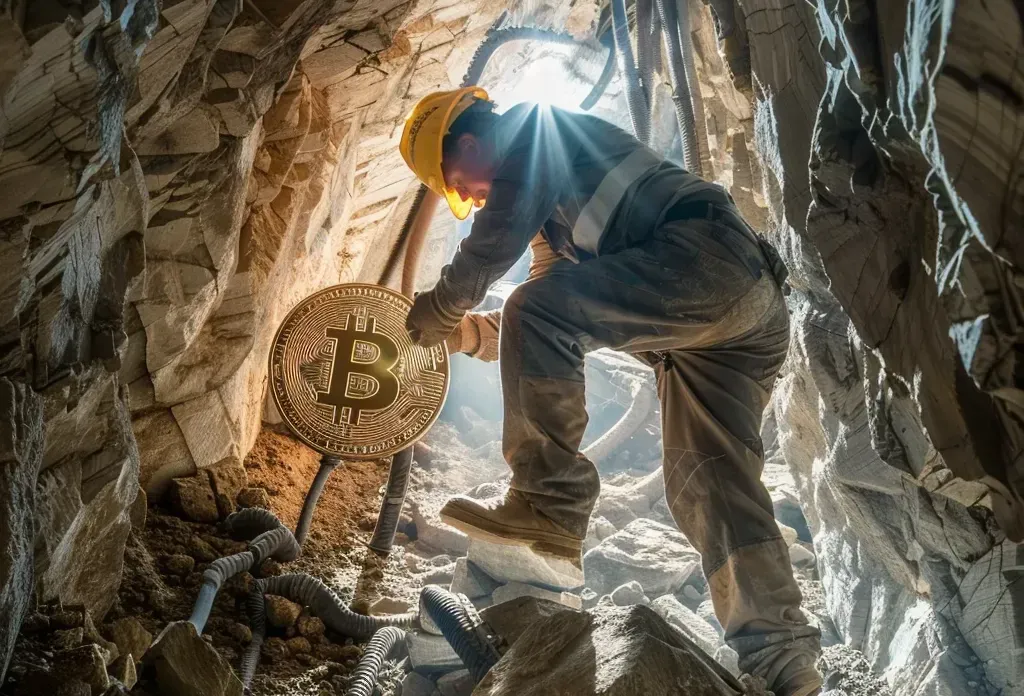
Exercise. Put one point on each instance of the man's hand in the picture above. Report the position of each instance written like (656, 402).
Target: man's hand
(426, 324)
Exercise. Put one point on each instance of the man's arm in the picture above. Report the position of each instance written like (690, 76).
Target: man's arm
(522, 197)
(477, 333)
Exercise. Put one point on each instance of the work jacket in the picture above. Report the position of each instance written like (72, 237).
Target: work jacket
(589, 187)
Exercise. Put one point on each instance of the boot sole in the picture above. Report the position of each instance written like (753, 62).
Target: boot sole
(545, 543)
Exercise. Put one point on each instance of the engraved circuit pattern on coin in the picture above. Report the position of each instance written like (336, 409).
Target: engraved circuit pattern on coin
(348, 380)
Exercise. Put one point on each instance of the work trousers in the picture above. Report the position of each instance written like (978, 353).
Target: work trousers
(700, 297)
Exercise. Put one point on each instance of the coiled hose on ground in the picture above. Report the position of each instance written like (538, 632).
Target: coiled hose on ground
(447, 612)
(639, 113)
(680, 86)
(394, 498)
(380, 647)
(328, 463)
(308, 591)
(273, 540)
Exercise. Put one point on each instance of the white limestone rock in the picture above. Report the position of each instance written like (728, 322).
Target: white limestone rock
(658, 557)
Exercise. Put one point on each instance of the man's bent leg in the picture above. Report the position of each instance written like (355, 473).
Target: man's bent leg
(542, 385)
(712, 403)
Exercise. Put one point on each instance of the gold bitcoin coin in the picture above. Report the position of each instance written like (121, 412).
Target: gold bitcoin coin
(348, 380)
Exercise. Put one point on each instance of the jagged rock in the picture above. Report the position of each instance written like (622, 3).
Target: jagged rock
(84, 663)
(186, 665)
(800, 556)
(693, 594)
(282, 612)
(202, 551)
(68, 638)
(298, 645)
(311, 627)
(243, 634)
(227, 479)
(124, 671)
(514, 590)
(67, 618)
(455, 683)
(389, 605)
(504, 563)
(417, 685)
(510, 619)
(611, 650)
(130, 636)
(193, 499)
(471, 581)
(693, 626)
(254, 497)
(21, 450)
(431, 654)
(35, 623)
(630, 593)
(179, 564)
(658, 557)
(706, 611)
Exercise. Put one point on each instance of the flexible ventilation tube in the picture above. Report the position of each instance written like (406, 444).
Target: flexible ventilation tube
(602, 82)
(308, 591)
(614, 437)
(445, 610)
(380, 647)
(647, 43)
(394, 499)
(638, 112)
(275, 542)
(693, 86)
(680, 87)
(255, 607)
(328, 463)
(249, 523)
(215, 576)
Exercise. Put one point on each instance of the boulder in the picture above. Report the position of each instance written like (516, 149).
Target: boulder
(610, 651)
(630, 593)
(186, 665)
(431, 654)
(254, 497)
(456, 683)
(21, 450)
(656, 556)
(227, 479)
(513, 590)
(471, 581)
(688, 622)
(281, 612)
(85, 664)
(416, 684)
(511, 619)
(192, 498)
(505, 563)
(123, 670)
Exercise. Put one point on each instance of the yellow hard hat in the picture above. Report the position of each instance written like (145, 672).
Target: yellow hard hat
(425, 128)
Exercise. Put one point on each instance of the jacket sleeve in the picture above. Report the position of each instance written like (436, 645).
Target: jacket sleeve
(478, 332)
(523, 196)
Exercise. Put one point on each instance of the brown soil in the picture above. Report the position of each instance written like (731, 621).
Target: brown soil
(285, 468)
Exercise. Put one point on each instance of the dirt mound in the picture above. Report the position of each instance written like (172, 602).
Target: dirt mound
(285, 468)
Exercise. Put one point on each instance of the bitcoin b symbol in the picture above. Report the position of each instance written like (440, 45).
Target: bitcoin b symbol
(361, 377)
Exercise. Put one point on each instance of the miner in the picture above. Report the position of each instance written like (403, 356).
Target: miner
(630, 252)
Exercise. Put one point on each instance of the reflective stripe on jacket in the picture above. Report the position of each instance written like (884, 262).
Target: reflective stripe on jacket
(587, 185)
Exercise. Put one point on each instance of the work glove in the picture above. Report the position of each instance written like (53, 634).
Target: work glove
(427, 324)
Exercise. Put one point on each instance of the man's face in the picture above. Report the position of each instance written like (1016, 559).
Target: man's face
(471, 171)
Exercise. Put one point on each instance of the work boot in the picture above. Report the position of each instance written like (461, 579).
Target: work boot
(512, 521)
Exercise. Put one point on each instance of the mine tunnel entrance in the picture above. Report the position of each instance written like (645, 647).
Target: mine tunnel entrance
(233, 460)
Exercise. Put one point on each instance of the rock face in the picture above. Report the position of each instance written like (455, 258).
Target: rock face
(654, 555)
(176, 176)
(186, 665)
(897, 412)
(611, 650)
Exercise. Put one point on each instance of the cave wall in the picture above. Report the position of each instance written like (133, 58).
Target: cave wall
(890, 138)
(176, 176)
